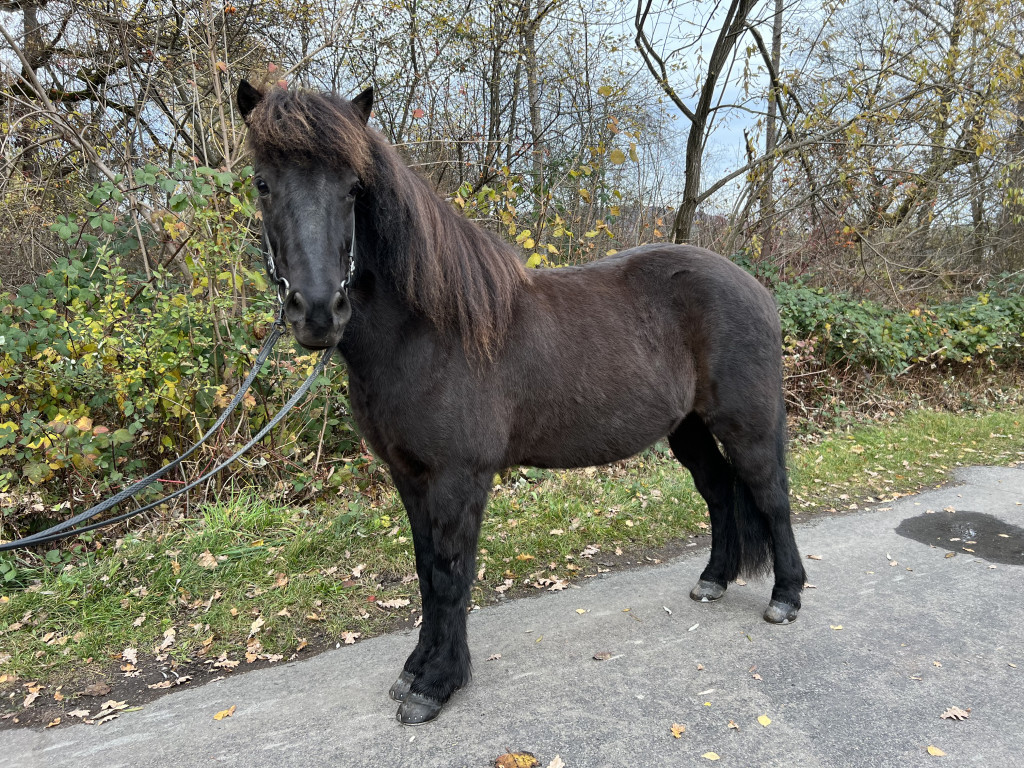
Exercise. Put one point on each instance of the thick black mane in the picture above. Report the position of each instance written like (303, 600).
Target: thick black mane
(459, 276)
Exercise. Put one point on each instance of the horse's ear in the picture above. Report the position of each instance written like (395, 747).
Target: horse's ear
(247, 98)
(364, 103)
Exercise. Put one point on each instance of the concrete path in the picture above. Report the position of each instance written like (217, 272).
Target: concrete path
(895, 632)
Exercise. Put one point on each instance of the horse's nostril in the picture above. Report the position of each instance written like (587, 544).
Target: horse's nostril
(296, 302)
(339, 303)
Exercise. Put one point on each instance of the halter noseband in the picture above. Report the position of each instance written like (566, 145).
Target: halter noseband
(283, 286)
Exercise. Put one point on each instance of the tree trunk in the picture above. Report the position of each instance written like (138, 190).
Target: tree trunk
(768, 246)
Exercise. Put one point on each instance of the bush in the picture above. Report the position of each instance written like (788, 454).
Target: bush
(838, 330)
(105, 372)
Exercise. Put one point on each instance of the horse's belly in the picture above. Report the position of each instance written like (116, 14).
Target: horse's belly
(560, 442)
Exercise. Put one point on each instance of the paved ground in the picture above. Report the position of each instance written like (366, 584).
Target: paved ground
(894, 633)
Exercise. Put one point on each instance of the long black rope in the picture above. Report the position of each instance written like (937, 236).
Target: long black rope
(66, 528)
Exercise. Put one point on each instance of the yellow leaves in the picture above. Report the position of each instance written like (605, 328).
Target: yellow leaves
(678, 730)
(617, 156)
(225, 713)
(516, 760)
(935, 751)
(605, 90)
(710, 756)
(523, 556)
(836, 627)
(585, 195)
(764, 720)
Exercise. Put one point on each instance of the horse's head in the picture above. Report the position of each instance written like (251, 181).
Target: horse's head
(310, 154)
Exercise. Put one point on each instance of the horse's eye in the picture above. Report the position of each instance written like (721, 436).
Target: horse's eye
(262, 187)
(355, 190)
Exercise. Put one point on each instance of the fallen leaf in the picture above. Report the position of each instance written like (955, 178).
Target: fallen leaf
(225, 713)
(835, 626)
(581, 611)
(53, 723)
(710, 755)
(130, 655)
(139, 620)
(29, 699)
(516, 760)
(733, 725)
(494, 657)
(556, 763)
(764, 720)
(78, 713)
(96, 689)
(351, 637)
(169, 636)
(955, 713)
(678, 729)
(400, 602)
(935, 751)
(814, 557)
(256, 626)
(602, 656)
(207, 560)
(357, 572)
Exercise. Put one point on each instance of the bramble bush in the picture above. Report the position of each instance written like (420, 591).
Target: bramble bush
(106, 373)
(985, 329)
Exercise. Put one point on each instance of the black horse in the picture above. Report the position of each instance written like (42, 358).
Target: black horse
(461, 362)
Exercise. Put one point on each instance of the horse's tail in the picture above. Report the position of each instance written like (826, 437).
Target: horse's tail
(754, 553)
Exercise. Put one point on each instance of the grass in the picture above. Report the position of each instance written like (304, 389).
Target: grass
(251, 581)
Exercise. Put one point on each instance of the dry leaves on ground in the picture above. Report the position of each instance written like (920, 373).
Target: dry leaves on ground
(516, 760)
(678, 729)
(955, 713)
(225, 713)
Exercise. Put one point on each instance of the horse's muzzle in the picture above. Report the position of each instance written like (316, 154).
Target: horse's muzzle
(317, 322)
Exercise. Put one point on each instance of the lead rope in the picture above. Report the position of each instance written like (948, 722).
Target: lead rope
(66, 528)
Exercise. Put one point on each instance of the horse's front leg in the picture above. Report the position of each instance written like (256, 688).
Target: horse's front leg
(446, 526)
(414, 497)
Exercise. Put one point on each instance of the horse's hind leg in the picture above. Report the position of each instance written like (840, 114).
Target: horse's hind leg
(696, 449)
(757, 452)
(449, 523)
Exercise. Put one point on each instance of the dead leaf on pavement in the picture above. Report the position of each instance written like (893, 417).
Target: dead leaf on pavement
(710, 755)
(78, 713)
(678, 729)
(602, 656)
(955, 713)
(935, 751)
(225, 713)
(130, 655)
(516, 760)
(494, 657)
(814, 557)
(764, 720)
(53, 723)
(556, 763)
(733, 725)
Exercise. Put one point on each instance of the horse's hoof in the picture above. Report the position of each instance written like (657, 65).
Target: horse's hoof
(402, 685)
(418, 709)
(706, 591)
(779, 612)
